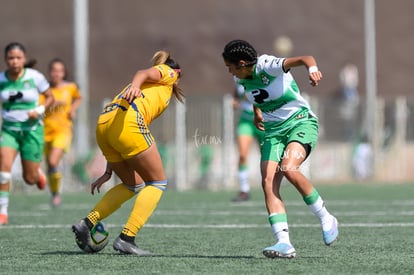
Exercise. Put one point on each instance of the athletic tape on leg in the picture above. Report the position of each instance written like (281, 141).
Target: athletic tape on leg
(5, 177)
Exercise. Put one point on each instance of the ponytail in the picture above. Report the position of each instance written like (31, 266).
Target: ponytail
(31, 63)
(160, 57)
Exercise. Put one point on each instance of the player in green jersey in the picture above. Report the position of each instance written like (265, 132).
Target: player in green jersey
(22, 126)
(291, 132)
(247, 133)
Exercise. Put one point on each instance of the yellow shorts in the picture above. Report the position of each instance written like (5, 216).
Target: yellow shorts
(61, 139)
(122, 134)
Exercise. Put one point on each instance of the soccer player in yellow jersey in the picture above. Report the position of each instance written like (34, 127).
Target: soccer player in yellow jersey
(58, 124)
(123, 135)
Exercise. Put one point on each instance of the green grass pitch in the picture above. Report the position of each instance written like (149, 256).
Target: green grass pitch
(202, 232)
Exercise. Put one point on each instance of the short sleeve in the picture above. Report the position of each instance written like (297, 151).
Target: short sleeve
(41, 82)
(75, 91)
(270, 64)
(168, 75)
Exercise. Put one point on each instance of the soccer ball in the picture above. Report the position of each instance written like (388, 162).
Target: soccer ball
(99, 238)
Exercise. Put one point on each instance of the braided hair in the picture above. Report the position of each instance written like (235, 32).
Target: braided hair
(237, 50)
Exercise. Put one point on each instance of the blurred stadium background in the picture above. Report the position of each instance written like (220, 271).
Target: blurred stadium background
(197, 139)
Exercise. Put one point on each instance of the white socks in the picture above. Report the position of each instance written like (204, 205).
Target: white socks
(280, 228)
(318, 208)
(4, 203)
(244, 181)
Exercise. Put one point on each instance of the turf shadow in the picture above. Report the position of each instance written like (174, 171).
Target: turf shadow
(150, 256)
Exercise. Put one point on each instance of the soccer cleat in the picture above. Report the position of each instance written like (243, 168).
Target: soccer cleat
(330, 236)
(41, 184)
(56, 200)
(129, 248)
(4, 219)
(82, 233)
(280, 250)
(242, 196)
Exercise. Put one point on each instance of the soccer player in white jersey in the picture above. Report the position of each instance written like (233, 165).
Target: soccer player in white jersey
(22, 127)
(291, 132)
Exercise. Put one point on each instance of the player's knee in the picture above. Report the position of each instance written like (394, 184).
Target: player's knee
(290, 172)
(5, 177)
(267, 181)
(29, 178)
(160, 184)
(136, 188)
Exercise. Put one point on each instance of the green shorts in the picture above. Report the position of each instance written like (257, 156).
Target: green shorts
(304, 131)
(30, 143)
(246, 127)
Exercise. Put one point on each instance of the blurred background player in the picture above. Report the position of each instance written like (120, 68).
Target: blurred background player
(58, 124)
(22, 126)
(123, 135)
(349, 79)
(291, 132)
(247, 133)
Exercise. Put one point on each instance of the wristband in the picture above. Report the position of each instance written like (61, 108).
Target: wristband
(313, 69)
(40, 110)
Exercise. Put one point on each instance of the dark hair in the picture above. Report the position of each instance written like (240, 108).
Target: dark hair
(237, 50)
(31, 63)
(16, 45)
(58, 60)
(163, 57)
(12, 46)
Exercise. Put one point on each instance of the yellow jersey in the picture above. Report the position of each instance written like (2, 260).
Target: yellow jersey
(122, 129)
(57, 116)
(155, 98)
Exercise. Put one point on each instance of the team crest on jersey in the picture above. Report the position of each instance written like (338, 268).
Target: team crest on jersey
(264, 79)
(171, 73)
(26, 84)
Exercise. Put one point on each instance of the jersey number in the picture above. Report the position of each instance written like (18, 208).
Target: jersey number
(260, 95)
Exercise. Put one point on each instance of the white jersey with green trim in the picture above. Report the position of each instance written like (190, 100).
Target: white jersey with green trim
(20, 96)
(274, 91)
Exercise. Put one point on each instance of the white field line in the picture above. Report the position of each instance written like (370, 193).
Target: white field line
(208, 226)
(243, 213)
(290, 213)
(249, 204)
